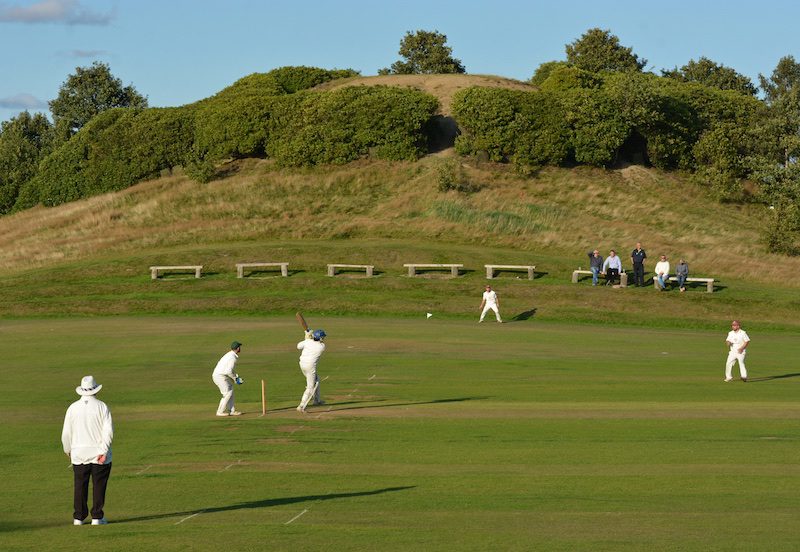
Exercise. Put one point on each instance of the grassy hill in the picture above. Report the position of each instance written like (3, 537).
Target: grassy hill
(91, 256)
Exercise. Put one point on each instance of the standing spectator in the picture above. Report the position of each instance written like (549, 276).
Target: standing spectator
(595, 265)
(662, 273)
(225, 376)
(638, 256)
(612, 267)
(86, 437)
(490, 301)
(312, 348)
(737, 341)
(682, 272)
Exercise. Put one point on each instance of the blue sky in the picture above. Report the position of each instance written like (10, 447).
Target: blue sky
(179, 51)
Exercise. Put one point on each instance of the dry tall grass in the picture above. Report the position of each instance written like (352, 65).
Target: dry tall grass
(562, 212)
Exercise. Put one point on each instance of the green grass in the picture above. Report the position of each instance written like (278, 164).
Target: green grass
(439, 435)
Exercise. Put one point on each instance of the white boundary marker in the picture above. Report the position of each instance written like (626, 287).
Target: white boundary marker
(189, 517)
(297, 516)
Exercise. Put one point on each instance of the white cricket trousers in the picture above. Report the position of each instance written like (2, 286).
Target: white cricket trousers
(226, 388)
(312, 380)
(494, 308)
(733, 356)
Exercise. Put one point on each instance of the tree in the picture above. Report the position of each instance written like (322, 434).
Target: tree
(425, 52)
(91, 90)
(784, 78)
(544, 70)
(598, 50)
(709, 73)
(782, 95)
(24, 141)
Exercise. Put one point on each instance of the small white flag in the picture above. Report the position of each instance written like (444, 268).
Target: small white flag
(428, 315)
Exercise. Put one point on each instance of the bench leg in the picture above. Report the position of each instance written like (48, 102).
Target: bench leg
(154, 274)
(710, 287)
(285, 270)
(369, 272)
(623, 279)
(530, 274)
(574, 277)
(240, 272)
(454, 272)
(331, 271)
(197, 273)
(412, 271)
(489, 273)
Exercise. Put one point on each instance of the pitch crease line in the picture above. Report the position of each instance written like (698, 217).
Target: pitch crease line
(140, 472)
(189, 517)
(297, 516)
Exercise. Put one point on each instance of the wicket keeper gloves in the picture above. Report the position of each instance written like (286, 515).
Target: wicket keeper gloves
(238, 380)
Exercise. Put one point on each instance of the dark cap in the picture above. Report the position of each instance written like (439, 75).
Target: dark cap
(235, 345)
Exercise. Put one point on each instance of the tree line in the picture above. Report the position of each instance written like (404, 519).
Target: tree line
(598, 106)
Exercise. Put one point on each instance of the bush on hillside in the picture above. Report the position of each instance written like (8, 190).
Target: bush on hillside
(349, 123)
(114, 150)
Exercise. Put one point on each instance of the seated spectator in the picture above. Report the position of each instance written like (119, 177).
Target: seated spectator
(662, 273)
(682, 272)
(595, 265)
(612, 266)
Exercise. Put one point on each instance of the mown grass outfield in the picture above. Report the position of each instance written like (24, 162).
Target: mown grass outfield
(438, 434)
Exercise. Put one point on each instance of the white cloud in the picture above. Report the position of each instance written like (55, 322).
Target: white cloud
(22, 101)
(87, 53)
(69, 12)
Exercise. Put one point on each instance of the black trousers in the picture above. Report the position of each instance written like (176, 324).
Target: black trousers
(638, 274)
(611, 273)
(99, 474)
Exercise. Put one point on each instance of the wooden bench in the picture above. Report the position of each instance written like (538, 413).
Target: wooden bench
(709, 282)
(412, 268)
(333, 267)
(154, 270)
(623, 277)
(491, 269)
(241, 266)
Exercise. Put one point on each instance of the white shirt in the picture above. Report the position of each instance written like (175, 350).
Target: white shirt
(312, 350)
(612, 262)
(662, 267)
(88, 431)
(490, 297)
(737, 340)
(227, 365)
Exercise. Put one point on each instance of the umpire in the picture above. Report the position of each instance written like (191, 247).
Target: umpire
(87, 435)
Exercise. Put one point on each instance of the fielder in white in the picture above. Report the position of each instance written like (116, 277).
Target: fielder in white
(312, 348)
(490, 301)
(225, 376)
(737, 341)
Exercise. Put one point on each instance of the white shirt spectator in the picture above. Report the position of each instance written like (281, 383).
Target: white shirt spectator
(612, 262)
(662, 267)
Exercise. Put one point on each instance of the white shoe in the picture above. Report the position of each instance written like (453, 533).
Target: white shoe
(235, 413)
(301, 409)
(101, 521)
(728, 379)
(222, 414)
(77, 522)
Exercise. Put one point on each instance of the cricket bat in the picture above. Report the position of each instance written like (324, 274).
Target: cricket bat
(303, 323)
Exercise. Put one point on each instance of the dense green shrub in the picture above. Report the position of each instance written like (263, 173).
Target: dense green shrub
(114, 150)
(310, 128)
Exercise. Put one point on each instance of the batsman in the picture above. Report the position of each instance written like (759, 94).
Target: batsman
(311, 349)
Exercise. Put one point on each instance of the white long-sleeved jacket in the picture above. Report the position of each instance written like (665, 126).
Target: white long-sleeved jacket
(88, 431)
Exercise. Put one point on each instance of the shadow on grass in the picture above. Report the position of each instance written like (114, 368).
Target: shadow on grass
(266, 503)
(524, 315)
(355, 405)
(770, 378)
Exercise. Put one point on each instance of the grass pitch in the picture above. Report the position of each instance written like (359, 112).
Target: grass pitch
(437, 435)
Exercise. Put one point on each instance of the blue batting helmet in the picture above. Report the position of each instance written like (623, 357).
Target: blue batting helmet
(318, 334)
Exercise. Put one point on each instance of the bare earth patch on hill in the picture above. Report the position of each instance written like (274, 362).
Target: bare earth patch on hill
(443, 87)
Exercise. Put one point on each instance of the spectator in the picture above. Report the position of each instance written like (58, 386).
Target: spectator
(612, 267)
(682, 272)
(662, 273)
(595, 265)
(638, 256)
